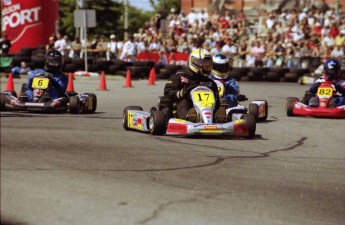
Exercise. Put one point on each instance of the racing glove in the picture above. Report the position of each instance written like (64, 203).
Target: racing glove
(185, 91)
(339, 89)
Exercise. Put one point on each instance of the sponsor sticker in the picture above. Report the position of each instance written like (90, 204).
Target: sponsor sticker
(240, 129)
(239, 121)
(177, 128)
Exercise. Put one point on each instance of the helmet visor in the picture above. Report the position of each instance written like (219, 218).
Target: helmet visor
(221, 68)
(54, 60)
(203, 64)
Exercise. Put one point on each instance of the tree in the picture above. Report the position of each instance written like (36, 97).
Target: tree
(164, 6)
(109, 17)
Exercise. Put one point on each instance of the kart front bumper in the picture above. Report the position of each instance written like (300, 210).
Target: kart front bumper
(180, 127)
(304, 110)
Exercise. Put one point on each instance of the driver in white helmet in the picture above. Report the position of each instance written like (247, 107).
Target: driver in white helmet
(179, 85)
(220, 72)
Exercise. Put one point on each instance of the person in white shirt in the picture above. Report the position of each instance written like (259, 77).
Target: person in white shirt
(192, 16)
(129, 50)
(60, 44)
(112, 48)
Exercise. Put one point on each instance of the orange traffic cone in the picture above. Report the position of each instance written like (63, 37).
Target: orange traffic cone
(10, 85)
(128, 81)
(102, 84)
(152, 77)
(70, 86)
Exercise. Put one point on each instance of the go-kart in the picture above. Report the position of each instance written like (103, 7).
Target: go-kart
(259, 108)
(324, 94)
(42, 102)
(158, 121)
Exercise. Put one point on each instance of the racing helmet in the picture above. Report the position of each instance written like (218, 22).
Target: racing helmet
(200, 62)
(54, 61)
(221, 65)
(332, 69)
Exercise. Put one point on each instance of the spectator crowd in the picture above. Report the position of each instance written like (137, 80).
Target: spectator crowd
(288, 38)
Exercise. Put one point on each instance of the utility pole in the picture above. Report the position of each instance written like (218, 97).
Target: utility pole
(126, 20)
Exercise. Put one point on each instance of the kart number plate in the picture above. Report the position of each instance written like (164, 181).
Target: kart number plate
(203, 98)
(40, 83)
(324, 92)
(220, 86)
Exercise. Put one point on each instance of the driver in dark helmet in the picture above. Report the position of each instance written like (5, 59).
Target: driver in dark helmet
(58, 80)
(332, 73)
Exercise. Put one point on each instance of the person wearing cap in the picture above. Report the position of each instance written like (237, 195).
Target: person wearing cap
(112, 50)
(5, 44)
(129, 50)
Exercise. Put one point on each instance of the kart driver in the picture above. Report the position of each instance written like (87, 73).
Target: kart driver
(220, 72)
(179, 85)
(58, 80)
(332, 73)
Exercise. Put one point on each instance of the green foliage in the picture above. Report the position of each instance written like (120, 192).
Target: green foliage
(164, 6)
(109, 16)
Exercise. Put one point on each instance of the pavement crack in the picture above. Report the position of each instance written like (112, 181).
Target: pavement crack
(156, 213)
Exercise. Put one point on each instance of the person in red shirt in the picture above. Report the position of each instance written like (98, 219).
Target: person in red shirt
(334, 31)
(317, 30)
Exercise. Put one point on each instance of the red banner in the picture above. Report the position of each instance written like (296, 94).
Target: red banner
(29, 23)
(148, 56)
(178, 58)
(173, 58)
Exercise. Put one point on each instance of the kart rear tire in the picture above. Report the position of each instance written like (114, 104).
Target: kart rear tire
(94, 103)
(254, 109)
(125, 115)
(157, 123)
(289, 105)
(3, 102)
(251, 124)
(74, 105)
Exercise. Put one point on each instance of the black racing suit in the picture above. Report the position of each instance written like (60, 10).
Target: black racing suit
(184, 82)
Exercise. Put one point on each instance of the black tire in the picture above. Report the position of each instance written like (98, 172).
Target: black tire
(245, 78)
(70, 68)
(3, 102)
(139, 72)
(272, 76)
(253, 109)
(289, 105)
(94, 103)
(293, 77)
(74, 105)
(251, 124)
(125, 115)
(149, 64)
(235, 74)
(164, 74)
(157, 123)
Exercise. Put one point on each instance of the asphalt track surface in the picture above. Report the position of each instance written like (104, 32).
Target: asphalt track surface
(86, 169)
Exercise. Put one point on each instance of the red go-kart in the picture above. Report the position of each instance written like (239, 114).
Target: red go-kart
(324, 94)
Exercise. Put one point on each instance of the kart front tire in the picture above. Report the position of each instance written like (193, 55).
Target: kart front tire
(157, 123)
(94, 103)
(289, 105)
(74, 105)
(254, 109)
(251, 124)
(125, 115)
(3, 102)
